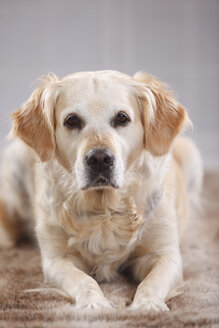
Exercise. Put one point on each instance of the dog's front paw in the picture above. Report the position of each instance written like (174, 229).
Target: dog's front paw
(94, 303)
(149, 305)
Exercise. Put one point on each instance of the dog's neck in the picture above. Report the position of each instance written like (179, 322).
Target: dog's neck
(142, 190)
(98, 201)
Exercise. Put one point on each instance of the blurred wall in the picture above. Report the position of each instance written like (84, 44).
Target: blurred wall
(176, 40)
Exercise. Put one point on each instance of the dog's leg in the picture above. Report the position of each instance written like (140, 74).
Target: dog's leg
(160, 270)
(165, 274)
(8, 227)
(16, 186)
(189, 159)
(63, 268)
(62, 272)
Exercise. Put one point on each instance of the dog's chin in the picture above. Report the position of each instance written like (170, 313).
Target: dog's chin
(100, 183)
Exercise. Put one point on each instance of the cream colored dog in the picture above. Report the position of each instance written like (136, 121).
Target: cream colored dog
(107, 182)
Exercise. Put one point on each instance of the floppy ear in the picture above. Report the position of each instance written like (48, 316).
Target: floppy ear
(163, 117)
(34, 122)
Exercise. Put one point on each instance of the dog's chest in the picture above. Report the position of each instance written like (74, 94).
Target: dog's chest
(106, 241)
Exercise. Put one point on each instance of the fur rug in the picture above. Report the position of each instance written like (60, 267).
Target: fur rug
(196, 305)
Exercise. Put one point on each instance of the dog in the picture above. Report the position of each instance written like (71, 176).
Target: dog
(97, 160)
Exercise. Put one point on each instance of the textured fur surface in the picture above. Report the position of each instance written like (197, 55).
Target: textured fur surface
(197, 304)
(90, 225)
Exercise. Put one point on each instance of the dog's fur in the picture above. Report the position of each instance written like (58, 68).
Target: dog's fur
(89, 230)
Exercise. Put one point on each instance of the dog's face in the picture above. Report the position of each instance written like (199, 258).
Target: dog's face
(98, 129)
(97, 124)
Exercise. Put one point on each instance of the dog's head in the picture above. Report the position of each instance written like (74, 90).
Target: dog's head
(97, 124)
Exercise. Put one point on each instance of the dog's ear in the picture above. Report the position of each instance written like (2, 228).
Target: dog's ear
(162, 116)
(34, 121)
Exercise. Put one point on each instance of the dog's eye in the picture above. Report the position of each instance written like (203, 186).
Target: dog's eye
(121, 119)
(73, 122)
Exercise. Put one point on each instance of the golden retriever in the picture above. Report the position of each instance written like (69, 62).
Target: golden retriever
(109, 182)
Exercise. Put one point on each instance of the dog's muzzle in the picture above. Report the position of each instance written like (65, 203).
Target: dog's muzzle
(99, 164)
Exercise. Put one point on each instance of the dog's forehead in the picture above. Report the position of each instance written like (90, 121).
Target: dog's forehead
(95, 92)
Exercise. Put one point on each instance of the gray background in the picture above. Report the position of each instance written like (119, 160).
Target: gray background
(176, 40)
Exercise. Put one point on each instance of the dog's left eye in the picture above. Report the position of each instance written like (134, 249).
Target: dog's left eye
(121, 119)
(73, 122)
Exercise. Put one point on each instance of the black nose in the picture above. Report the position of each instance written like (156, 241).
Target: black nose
(99, 159)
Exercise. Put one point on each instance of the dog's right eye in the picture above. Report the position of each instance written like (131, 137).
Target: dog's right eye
(121, 119)
(73, 122)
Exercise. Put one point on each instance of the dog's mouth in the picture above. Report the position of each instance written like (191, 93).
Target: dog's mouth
(101, 182)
